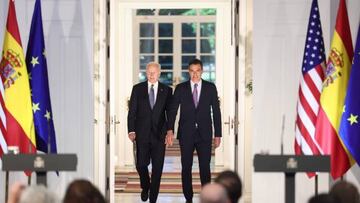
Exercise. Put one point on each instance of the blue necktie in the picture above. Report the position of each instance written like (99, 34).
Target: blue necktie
(152, 96)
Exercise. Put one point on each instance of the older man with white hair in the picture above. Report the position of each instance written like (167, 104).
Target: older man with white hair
(147, 127)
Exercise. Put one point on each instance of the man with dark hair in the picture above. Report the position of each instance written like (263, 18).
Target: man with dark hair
(199, 112)
(232, 183)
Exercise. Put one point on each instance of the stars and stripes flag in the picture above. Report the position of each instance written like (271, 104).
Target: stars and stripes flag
(16, 93)
(350, 121)
(333, 95)
(310, 86)
(37, 67)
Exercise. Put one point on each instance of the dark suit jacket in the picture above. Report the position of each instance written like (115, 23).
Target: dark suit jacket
(141, 118)
(192, 118)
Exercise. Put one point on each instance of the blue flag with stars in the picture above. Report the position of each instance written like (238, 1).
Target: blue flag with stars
(37, 68)
(350, 121)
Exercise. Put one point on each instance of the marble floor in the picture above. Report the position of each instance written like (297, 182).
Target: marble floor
(163, 198)
(171, 164)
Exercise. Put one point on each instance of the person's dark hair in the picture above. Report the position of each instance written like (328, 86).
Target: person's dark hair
(83, 191)
(346, 192)
(323, 198)
(232, 183)
(196, 62)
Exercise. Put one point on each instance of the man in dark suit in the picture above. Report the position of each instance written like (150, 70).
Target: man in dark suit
(199, 112)
(147, 126)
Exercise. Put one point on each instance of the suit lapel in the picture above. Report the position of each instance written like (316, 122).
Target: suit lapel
(159, 96)
(145, 93)
(202, 92)
(190, 94)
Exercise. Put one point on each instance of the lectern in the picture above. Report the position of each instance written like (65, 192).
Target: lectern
(39, 163)
(290, 165)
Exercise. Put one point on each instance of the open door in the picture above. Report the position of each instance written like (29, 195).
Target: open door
(170, 33)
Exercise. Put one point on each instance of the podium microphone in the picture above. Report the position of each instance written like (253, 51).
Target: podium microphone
(282, 135)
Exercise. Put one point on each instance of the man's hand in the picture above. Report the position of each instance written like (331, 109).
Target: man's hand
(217, 141)
(169, 138)
(132, 136)
(15, 192)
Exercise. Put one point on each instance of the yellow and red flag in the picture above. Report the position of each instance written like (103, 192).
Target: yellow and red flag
(333, 95)
(17, 98)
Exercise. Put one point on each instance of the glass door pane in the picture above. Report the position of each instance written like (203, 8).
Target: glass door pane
(173, 42)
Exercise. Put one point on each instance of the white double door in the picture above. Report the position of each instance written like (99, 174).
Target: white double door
(125, 71)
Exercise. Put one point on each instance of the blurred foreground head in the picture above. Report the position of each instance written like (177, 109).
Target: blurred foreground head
(38, 194)
(232, 183)
(346, 192)
(323, 198)
(83, 191)
(213, 193)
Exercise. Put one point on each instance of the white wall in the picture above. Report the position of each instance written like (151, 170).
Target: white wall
(279, 39)
(68, 29)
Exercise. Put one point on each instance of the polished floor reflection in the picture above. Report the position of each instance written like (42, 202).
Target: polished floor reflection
(163, 198)
(127, 185)
(127, 180)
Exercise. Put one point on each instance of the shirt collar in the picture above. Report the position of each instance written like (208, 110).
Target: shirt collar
(156, 84)
(192, 83)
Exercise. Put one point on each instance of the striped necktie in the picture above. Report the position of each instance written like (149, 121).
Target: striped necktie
(152, 96)
(195, 95)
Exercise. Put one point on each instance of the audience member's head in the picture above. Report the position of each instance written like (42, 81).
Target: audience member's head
(346, 192)
(232, 183)
(323, 198)
(213, 193)
(83, 191)
(38, 194)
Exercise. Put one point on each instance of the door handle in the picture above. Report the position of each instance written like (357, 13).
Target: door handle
(230, 123)
(114, 122)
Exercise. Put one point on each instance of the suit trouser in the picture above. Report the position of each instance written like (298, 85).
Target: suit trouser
(203, 150)
(153, 150)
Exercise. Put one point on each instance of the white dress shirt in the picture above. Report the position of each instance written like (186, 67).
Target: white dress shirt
(156, 85)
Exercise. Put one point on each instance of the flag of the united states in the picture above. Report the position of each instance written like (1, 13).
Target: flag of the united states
(310, 86)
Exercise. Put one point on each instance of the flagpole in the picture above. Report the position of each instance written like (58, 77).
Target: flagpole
(282, 134)
(30, 150)
(6, 185)
(10, 150)
(29, 180)
(48, 138)
(316, 184)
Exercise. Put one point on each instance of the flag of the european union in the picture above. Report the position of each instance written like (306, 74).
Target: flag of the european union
(350, 121)
(37, 68)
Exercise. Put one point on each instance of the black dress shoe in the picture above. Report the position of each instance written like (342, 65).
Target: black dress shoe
(144, 195)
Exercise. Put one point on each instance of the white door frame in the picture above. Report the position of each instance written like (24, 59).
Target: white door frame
(121, 67)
